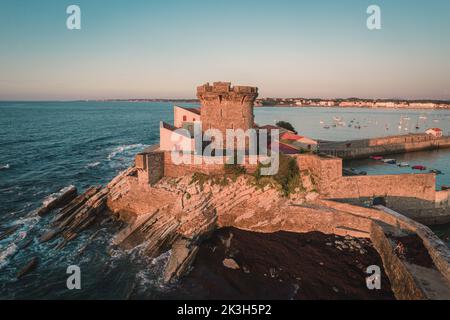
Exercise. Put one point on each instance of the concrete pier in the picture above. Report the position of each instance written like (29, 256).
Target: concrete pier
(360, 149)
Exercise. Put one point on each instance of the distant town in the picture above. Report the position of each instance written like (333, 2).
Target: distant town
(354, 103)
(306, 102)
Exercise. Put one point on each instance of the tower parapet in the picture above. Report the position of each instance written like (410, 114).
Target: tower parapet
(226, 107)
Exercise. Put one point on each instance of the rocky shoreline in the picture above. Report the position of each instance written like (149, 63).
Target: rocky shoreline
(244, 236)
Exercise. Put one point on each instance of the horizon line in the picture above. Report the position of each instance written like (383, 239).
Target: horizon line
(196, 99)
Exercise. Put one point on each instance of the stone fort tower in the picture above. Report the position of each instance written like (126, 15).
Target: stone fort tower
(226, 107)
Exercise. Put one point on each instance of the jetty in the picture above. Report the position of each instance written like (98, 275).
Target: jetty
(364, 148)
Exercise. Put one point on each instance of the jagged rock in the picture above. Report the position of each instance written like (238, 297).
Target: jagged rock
(49, 235)
(230, 264)
(77, 215)
(5, 234)
(74, 205)
(58, 200)
(30, 266)
(181, 258)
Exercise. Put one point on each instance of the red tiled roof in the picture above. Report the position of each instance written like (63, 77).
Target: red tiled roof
(290, 136)
(435, 129)
(285, 148)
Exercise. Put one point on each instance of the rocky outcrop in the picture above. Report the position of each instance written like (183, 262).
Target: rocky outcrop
(58, 200)
(177, 214)
(29, 267)
(182, 256)
(82, 211)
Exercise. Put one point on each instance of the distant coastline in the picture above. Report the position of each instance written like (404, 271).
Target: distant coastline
(354, 103)
(315, 102)
(293, 102)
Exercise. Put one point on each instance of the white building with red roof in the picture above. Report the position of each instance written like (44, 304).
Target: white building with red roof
(436, 132)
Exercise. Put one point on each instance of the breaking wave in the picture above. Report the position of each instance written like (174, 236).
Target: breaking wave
(4, 167)
(92, 165)
(124, 149)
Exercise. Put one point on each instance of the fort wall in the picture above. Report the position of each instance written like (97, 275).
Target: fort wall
(154, 165)
(413, 195)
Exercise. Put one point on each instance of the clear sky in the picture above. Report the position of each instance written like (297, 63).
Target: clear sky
(165, 48)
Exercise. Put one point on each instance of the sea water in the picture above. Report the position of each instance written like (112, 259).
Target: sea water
(46, 146)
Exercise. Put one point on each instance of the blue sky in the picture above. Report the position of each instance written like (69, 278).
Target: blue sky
(165, 48)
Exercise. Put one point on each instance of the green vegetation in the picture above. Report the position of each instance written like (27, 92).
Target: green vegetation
(287, 180)
(234, 169)
(286, 125)
(217, 180)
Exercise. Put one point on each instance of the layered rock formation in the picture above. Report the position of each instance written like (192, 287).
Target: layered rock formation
(178, 214)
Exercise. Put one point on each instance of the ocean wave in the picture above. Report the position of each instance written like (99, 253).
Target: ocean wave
(92, 164)
(5, 167)
(123, 149)
(6, 253)
(11, 249)
(56, 195)
(153, 277)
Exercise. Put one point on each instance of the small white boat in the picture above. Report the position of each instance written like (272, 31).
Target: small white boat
(389, 161)
(403, 164)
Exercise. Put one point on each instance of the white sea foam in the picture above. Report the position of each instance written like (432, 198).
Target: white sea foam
(4, 167)
(92, 164)
(11, 249)
(6, 253)
(124, 148)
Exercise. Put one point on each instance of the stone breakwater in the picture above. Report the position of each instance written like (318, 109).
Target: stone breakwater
(179, 214)
(360, 149)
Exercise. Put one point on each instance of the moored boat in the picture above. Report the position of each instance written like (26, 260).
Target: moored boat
(419, 167)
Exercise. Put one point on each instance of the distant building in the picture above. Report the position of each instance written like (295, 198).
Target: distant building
(300, 142)
(436, 132)
(420, 105)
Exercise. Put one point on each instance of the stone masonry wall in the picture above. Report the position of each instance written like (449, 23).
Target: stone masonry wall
(178, 170)
(226, 107)
(150, 167)
(419, 186)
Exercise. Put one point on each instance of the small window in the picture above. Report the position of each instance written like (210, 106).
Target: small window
(184, 118)
(193, 119)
